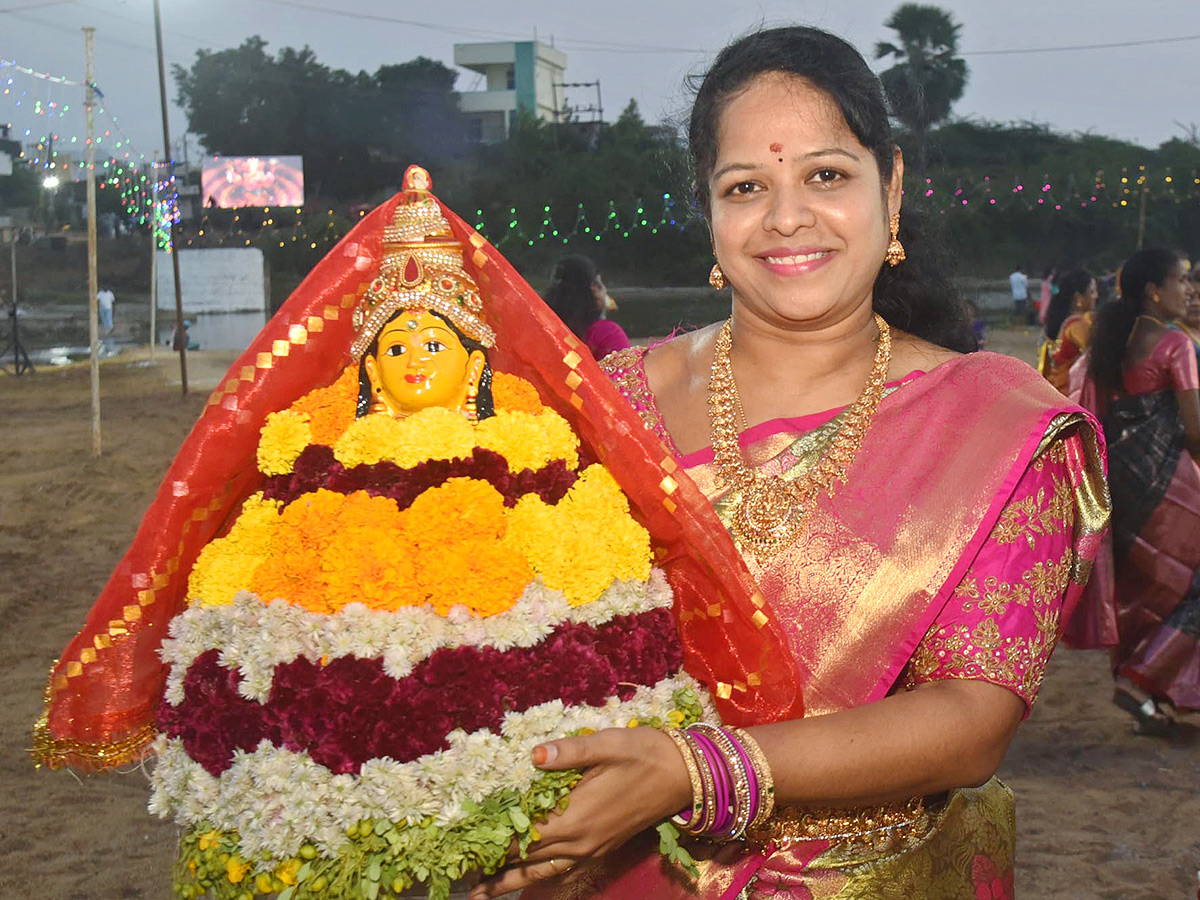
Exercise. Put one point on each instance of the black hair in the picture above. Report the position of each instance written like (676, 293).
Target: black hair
(570, 293)
(1115, 321)
(915, 296)
(485, 407)
(1074, 282)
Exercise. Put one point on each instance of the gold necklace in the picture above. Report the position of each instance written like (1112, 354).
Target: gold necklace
(770, 510)
(1156, 321)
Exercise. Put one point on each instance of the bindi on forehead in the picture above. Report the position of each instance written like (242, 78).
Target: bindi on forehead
(777, 147)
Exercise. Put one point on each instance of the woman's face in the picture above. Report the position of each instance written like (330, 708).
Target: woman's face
(1175, 291)
(799, 216)
(1087, 299)
(599, 293)
(1191, 315)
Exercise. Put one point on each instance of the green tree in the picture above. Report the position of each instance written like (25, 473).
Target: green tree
(356, 131)
(927, 76)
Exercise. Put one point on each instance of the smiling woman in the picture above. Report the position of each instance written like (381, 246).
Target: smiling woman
(918, 522)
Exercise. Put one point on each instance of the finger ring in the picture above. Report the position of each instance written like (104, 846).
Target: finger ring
(557, 870)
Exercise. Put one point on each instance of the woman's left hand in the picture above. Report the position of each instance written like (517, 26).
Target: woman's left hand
(633, 778)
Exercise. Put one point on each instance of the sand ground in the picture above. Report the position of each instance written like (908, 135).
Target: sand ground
(1101, 814)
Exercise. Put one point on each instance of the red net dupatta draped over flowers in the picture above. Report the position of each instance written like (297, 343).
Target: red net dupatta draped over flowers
(103, 691)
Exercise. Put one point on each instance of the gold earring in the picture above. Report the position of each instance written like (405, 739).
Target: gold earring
(895, 250)
(470, 407)
(716, 277)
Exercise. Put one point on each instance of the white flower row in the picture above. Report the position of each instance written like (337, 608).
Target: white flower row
(278, 800)
(254, 637)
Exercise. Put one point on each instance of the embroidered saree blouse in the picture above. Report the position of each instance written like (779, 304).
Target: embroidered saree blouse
(1002, 622)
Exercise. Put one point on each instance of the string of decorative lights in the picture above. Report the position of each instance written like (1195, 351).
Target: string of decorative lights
(33, 73)
(124, 170)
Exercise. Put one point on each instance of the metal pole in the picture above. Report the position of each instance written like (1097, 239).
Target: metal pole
(154, 260)
(180, 339)
(89, 35)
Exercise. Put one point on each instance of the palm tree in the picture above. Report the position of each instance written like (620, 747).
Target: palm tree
(927, 77)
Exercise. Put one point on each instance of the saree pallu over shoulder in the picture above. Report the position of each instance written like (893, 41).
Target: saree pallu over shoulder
(873, 566)
(876, 562)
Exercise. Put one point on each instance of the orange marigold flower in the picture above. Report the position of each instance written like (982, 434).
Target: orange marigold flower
(512, 393)
(458, 511)
(331, 409)
(331, 550)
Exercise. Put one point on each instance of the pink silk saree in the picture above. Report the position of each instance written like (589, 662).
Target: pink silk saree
(873, 569)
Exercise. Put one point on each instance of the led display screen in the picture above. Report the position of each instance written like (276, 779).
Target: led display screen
(229, 182)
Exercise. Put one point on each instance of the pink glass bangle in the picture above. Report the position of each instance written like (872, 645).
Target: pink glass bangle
(738, 780)
(747, 815)
(717, 807)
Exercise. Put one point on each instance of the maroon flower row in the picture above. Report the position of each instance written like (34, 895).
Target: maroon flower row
(350, 710)
(316, 468)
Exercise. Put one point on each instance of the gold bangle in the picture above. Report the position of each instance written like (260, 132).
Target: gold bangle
(762, 773)
(708, 782)
(689, 762)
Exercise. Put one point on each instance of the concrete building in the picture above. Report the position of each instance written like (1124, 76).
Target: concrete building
(520, 75)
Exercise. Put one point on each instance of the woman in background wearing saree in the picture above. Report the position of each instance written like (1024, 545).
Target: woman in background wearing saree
(1068, 327)
(1142, 383)
(917, 539)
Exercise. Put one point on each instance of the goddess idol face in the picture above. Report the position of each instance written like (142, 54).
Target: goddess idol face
(420, 362)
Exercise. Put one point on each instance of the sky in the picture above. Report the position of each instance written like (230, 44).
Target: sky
(640, 50)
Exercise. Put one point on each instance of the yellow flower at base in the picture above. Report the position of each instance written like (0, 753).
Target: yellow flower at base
(528, 441)
(236, 869)
(283, 438)
(287, 871)
(227, 564)
(585, 542)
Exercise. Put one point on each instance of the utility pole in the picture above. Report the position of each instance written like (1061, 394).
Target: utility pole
(154, 257)
(180, 339)
(89, 35)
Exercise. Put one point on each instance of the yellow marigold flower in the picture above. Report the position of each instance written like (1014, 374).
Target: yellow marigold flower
(528, 441)
(227, 564)
(369, 440)
(585, 542)
(209, 839)
(512, 393)
(434, 433)
(236, 869)
(283, 437)
(331, 409)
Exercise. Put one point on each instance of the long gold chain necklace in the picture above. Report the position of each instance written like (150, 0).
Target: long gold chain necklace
(771, 509)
